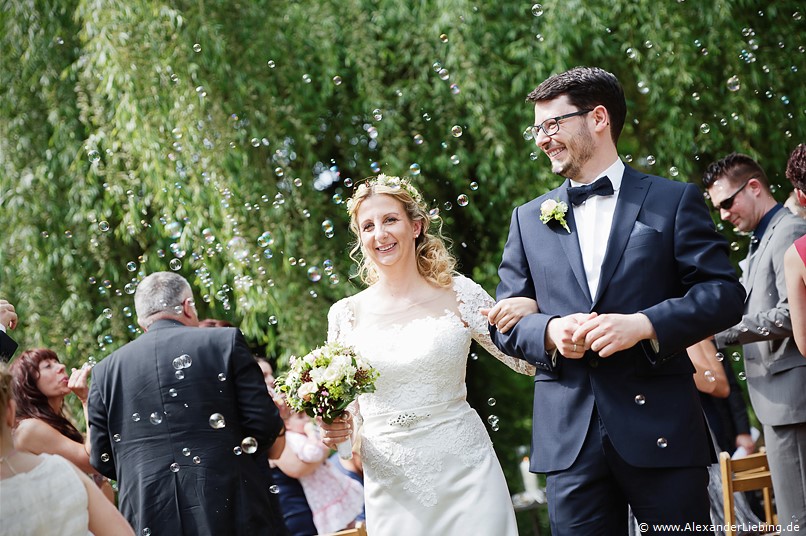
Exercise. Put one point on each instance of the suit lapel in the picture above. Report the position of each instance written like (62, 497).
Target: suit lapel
(752, 260)
(570, 243)
(630, 199)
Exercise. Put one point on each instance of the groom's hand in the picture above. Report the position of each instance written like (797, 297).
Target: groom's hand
(607, 334)
(560, 335)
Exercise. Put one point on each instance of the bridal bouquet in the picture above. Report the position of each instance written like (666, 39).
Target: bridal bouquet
(324, 382)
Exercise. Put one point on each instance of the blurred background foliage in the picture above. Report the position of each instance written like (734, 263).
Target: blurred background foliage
(220, 140)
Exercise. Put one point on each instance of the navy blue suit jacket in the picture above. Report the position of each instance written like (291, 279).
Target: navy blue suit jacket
(665, 259)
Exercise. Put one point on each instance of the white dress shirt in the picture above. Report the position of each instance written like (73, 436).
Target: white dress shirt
(594, 219)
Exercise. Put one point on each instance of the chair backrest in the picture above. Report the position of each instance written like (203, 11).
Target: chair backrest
(359, 530)
(749, 473)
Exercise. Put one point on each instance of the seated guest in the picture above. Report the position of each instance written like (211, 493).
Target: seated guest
(40, 385)
(297, 514)
(795, 256)
(335, 499)
(46, 494)
(354, 467)
(8, 320)
(710, 377)
(727, 417)
(713, 382)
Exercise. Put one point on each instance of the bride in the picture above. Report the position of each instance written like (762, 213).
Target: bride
(429, 464)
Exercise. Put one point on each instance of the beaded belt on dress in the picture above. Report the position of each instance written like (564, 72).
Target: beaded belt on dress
(409, 417)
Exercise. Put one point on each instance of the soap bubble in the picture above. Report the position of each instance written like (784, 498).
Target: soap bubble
(217, 421)
(249, 445)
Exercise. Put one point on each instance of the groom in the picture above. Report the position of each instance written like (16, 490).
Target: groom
(628, 270)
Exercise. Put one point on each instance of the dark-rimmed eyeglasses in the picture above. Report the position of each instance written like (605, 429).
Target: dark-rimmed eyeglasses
(551, 126)
(728, 201)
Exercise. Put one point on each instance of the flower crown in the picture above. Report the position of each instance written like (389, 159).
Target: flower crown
(389, 181)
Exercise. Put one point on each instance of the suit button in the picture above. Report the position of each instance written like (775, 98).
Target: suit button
(594, 362)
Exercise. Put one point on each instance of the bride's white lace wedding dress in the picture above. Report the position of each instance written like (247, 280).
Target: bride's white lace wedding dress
(429, 464)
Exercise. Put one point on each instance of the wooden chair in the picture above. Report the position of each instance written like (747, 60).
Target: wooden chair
(359, 530)
(745, 474)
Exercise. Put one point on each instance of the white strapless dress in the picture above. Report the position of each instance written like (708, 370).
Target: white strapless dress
(429, 464)
(48, 500)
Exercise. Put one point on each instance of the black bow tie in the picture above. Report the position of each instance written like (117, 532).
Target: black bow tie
(579, 194)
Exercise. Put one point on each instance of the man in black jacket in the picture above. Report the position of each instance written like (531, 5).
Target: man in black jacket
(8, 320)
(181, 418)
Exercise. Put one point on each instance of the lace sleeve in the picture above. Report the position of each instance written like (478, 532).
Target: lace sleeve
(472, 299)
(338, 319)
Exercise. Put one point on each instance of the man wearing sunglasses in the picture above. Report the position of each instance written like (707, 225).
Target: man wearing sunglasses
(628, 271)
(776, 370)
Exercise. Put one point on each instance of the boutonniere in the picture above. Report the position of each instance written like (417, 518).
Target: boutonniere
(552, 209)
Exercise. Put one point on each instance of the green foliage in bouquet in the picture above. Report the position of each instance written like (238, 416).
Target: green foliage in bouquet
(325, 381)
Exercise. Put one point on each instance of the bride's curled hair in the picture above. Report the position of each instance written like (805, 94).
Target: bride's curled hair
(434, 262)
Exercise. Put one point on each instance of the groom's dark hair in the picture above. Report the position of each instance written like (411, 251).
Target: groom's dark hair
(586, 88)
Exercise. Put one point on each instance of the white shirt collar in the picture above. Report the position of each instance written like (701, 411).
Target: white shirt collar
(615, 172)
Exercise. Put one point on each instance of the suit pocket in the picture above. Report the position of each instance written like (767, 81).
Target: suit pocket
(546, 376)
(642, 235)
(677, 364)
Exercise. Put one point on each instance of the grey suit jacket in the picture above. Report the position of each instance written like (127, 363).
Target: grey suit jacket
(776, 370)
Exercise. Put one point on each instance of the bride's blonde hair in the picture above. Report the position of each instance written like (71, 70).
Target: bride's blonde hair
(434, 262)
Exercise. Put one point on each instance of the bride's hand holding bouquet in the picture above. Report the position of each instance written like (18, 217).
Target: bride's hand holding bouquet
(324, 382)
